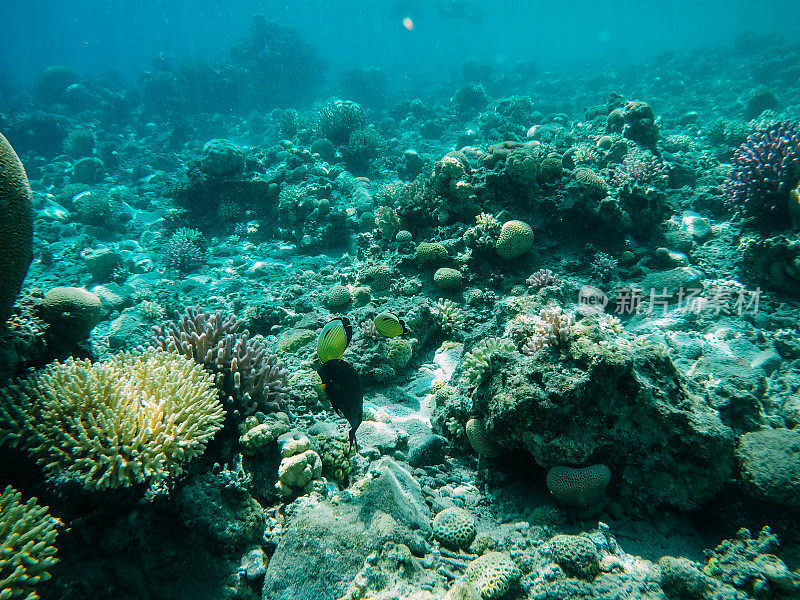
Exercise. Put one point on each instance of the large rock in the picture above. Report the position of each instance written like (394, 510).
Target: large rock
(325, 544)
(622, 404)
(770, 465)
(393, 490)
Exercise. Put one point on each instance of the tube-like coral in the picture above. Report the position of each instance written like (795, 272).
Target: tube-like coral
(247, 371)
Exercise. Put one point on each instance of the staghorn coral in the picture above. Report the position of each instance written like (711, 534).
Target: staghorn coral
(184, 251)
(604, 267)
(387, 221)
(765, 174)
(750, 564)
(640, 168)
(482, 237)
(246, 371)
(27, 535)
(131, 419)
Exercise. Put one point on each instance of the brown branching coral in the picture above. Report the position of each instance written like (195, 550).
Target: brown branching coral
(133, 418)
(246, 371)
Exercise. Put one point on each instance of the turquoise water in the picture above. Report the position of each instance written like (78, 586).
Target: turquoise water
(549, 252)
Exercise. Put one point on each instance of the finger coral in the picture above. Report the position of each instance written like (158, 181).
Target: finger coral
(133, 418)
(246, 370)
(27, 534)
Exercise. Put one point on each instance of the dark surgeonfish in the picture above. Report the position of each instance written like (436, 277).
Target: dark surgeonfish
(334, 339)
(343, 387)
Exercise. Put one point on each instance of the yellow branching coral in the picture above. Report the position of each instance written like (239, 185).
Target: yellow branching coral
(132, 418)
(27, 535)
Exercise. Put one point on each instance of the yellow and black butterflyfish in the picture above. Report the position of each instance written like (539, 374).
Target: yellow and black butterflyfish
(389, 324)
(334, 338)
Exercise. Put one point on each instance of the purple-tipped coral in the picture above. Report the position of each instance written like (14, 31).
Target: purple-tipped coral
(541, 278)
(246, 370)
(766, 173)
(642, 169)
(552, 327)
(184, 251)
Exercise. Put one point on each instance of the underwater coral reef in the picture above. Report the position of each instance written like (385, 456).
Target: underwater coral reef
(520, 334)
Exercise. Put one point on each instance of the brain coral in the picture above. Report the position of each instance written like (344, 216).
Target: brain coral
(516, 238)
(70, 312)
(337, 296)
(454, 527)
(447, 279)
(576, 554)
(222, 157)
(431, 252)
(16, 226)
(399, 352)
(492, 574)
(479, 438)
(130, 419)
(590, 182)
(578, 486)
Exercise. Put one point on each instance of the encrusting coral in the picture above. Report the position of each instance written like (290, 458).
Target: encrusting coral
(134, 418)
(27, 535)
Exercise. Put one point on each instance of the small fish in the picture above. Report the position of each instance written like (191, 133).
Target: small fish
(342, 385)
(334, 338)
(390, 325)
